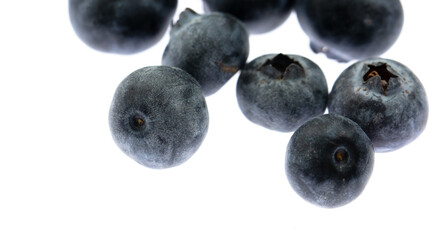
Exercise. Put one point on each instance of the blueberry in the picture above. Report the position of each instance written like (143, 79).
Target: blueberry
(121, 26)
(385, 98)
(159, 116)
(349, 29)
(259, 16)
(329, 160)
(280, 92)
(211, 47)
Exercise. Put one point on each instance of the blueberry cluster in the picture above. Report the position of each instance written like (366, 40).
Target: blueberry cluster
(159, 116)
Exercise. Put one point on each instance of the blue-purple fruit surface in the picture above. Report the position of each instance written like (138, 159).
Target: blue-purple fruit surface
(159, 116)
(329, 161)
(259, 16)
(349, 29)
(385, 98)
(280, 92)
(121, 26)
(211, 47)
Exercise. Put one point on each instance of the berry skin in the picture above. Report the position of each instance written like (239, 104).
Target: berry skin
(329, 161)
(348, 29)
(280, 92)
(211, 47)
(385, 98)
(159, 116)
(259, 16)
(121, 26)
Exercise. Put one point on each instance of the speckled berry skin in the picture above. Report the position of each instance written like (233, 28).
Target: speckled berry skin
(211, 47)
(329, 161)
(385, 98)
(348, 29)
(121, 26)
(280, 92)
(259, 16)
(159, 116)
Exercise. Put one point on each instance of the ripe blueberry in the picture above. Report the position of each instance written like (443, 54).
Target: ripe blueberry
(385, 98)
(121, 26)
(159, 116)
(211, 47)
(281, 92)
(259, 16)
(348, 29)
(329, 160)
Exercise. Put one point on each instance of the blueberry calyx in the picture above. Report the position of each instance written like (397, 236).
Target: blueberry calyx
(383, 75)
(342, 159)
(185, 17)
(282, 67)
(137, 122)
(227, 68)
(341, 156)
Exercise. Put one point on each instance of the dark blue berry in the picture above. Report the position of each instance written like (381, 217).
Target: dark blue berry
(385, 98)
(329, 160)
(211, 47)
(159, 116)
(281, 92)
(348, 29)
(121, 26)
(259, 16)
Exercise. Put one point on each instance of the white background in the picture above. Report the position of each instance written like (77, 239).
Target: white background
(62, 176)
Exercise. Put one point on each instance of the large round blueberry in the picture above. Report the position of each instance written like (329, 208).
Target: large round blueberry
(349, 29)
(121, 26)
(211, 47)
(259, 16)
(159, 116)
(281, 92)
(329, 160)
(385, 98)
